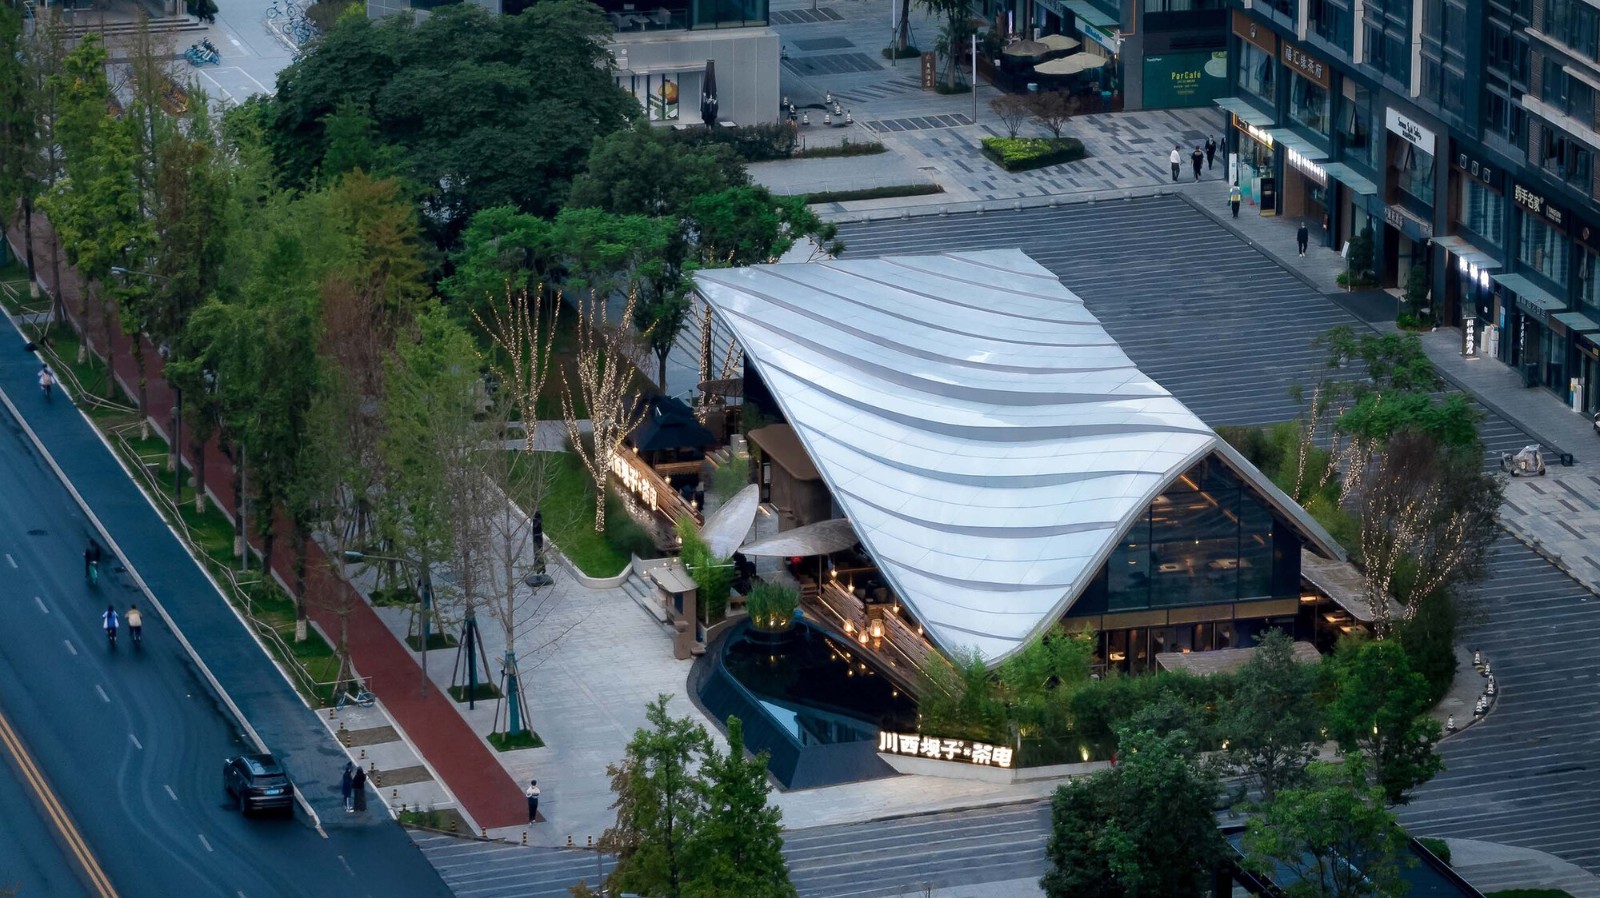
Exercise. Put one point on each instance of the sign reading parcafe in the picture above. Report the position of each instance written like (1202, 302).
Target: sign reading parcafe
(914, 745)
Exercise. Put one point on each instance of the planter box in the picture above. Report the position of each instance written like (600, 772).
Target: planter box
(1026, 153)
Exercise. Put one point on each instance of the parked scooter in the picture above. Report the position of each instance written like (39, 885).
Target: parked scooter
(1527, 463)
(203, 53)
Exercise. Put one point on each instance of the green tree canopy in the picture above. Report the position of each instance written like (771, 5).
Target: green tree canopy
(1334, 836)
(1380, 709)
(738, 851)
(639, 171)
(1272, 723)
(660, 804)
(486, 110)
(1143, 829)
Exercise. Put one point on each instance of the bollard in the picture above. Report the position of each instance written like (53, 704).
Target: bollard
(372, 768)
(524, 837)
(484, 832)
(341, 724)
(569, 840)
(590, 844)
(363, 755)
(394, 793)
(452, 825)
(330, 713)
(402, 807)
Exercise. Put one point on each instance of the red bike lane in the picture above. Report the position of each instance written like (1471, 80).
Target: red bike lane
(429, 719)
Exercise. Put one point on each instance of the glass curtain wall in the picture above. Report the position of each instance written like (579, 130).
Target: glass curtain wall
(1206, 539)
(1308, 104)
(1257, 70)
(1483, 211)
(1543, 249)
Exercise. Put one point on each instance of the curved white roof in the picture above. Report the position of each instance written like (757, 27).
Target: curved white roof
(987, 438)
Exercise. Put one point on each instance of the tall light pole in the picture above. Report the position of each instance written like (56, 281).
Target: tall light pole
(425, 581)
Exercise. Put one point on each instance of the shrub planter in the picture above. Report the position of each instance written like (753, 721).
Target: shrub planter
(1027, 153)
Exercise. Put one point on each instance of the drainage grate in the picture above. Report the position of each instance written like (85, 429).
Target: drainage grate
(920, 123)
(832, 64)
(805, 16)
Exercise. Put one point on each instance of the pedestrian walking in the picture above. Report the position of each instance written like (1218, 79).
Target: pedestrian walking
(358, 788)
(1198, 157)
(347, 785)
(1211, 153)
(532, 795)
(1177, 162)
(1234, 197)
(1302, 237)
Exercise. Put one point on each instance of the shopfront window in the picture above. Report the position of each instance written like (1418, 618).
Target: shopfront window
(1414, 170)
(1256, 72)
(1357, 125)
(1205, 540)
(1308, 103)
(1588, 283)
(1482, 210)
(1543, 248)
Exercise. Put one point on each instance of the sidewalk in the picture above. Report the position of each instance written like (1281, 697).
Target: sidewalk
(1492, 867)
(459, 757)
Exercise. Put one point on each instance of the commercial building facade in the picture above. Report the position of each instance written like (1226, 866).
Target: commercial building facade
(1163, 54)
(662, 49)
(1464, 133)
(1003, 466)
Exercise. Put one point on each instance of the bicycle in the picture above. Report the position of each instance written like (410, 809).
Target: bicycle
(111, 637)
(356, 693)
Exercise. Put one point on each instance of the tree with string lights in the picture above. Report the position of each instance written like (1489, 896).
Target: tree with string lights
(606, 382)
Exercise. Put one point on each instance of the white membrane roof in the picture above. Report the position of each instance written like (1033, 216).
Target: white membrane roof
(986, 437)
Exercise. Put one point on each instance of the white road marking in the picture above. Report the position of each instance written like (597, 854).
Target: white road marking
(41, 604)
(69, 646)
(346, 865)
(235, 41)
(135, 740)
(103, 697)
(11, 561)
(204, 842)
(170, 792)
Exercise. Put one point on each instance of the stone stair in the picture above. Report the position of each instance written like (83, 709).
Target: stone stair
(644, 593)
(164, 25)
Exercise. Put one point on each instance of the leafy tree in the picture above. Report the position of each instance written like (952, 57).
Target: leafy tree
(954, 34)
(639, 171)
(1452, 420)
(1143, 829)
(964, 700)
(485, 110)
(1040, 680)
(1334, 836)
(660, 805)
(1380, 710)
(19, 130)
(749, 226)
(354, 143)
(737, 852)
(1272, 724)
(1394, 362)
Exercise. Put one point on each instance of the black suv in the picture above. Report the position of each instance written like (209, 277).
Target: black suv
(257, 783)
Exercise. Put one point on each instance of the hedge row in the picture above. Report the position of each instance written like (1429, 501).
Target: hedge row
(1025, 153)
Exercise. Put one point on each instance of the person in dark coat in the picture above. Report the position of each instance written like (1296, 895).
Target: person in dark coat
(532, 794)
(1198, 157)
(1302, 237)
(358, 789)
(1211, 153)
(347, 785)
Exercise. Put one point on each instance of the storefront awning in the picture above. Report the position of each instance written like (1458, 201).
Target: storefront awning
(1289, 140)
(1577, 322)
(1090, 14)
(1246, 113)
(1347, 176)
(1529, 292)
(1466, 252)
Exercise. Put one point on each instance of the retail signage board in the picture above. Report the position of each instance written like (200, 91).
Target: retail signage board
(1409, 131)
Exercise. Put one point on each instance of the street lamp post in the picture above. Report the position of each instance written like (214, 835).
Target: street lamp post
(427, 599)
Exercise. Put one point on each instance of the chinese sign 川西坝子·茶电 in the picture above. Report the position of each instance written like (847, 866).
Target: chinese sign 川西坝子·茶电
(937, 749)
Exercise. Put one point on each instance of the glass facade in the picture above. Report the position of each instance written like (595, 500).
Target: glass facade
(1205, 540)
(1542, 248)
(1332, 21)
(1413, 170)
(1574, 23)
(1483, 211)
(1361, 125)
(1257, 72)
(1308, 103)
(1588, 287)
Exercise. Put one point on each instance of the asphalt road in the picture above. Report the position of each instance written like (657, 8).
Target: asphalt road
(131, 741)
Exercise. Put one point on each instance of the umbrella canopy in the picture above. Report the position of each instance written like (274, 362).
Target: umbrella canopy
(1071, 65)
(708, 95)
(1026, 49)
(1060, 42)
(727, 526)
(670, 425)
(821, 538)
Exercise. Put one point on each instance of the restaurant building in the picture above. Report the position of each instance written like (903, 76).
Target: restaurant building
(997, 465)
(1463, 132)
(662, 49)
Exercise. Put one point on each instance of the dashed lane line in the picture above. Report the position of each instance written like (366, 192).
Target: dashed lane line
(173, 794)
(102, 693)
(41, 604)
(70, 649)
(135, 740)
(204, 842)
